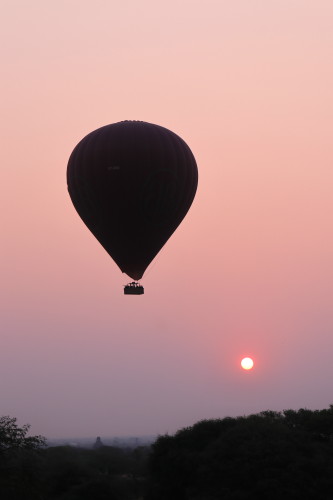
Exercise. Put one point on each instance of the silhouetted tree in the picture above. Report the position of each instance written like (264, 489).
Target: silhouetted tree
(268, 455)
(20, 461)
(13, 437)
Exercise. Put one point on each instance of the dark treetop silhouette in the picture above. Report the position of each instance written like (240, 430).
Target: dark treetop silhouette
(132, 183)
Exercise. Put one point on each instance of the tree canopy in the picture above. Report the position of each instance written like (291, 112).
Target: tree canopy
(13, 437)
(272, 455)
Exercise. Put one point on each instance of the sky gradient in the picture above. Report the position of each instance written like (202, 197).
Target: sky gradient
(248, 85)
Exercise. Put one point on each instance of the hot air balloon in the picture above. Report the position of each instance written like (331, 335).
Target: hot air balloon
(132, 184)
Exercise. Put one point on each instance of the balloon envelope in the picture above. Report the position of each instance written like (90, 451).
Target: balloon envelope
(132, 183)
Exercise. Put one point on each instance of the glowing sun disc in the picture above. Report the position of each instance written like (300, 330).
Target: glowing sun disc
(247, 363)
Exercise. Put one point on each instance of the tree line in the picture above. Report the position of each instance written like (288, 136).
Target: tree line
(273, 455)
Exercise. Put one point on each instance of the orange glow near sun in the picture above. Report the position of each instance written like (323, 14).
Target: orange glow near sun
(247, 363)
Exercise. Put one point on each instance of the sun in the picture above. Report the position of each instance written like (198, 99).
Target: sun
(247, 363)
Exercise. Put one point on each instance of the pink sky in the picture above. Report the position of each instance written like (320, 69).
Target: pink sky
(248, 85)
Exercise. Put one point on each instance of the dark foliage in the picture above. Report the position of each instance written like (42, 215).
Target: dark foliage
(20, 461)
(269, 455)
(104, 473)
(29, 471)
(13, 437)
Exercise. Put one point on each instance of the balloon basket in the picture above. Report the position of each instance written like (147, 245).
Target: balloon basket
(133, 288)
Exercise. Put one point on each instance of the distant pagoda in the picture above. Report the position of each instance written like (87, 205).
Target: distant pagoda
(98, 443)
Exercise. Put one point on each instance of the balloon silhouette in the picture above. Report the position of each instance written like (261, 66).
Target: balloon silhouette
(132, 183)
